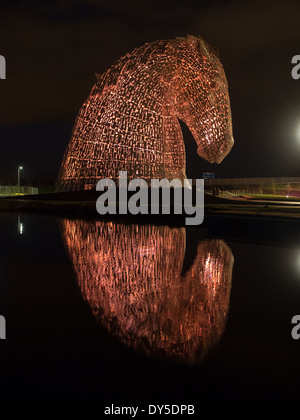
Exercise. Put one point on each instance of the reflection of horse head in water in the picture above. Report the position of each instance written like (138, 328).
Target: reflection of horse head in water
(130, 120)
(131, 276)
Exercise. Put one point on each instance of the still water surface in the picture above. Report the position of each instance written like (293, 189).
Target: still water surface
(129, 312)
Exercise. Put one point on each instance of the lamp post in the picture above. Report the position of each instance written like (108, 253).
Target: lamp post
(20, 168)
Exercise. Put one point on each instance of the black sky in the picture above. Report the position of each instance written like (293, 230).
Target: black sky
(53, 48)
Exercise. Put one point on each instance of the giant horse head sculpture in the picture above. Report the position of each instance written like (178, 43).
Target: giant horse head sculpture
(130, 120)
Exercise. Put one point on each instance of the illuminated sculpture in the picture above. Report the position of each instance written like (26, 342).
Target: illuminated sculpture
(131, 276)
(130, 120)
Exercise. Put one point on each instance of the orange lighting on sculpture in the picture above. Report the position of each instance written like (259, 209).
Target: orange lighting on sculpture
(130, 120)
(131, 276)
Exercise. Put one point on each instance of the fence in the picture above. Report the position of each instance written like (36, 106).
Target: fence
(14, 190)
(236, 182)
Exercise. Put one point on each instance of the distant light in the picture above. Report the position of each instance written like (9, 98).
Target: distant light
(21, 168)
(21, 228)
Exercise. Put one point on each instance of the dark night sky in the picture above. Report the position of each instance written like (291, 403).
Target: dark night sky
(53, 48)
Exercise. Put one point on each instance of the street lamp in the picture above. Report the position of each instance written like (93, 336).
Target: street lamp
(20, 168)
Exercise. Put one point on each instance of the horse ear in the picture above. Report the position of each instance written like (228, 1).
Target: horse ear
(194, 41)
(206, 50)
(197, 44)
(216, 51)
(204, 46)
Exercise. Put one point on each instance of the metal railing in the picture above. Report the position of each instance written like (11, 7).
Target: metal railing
(251, 181)
(15, 190)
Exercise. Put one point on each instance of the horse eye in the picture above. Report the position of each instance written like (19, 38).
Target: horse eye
(212, 84)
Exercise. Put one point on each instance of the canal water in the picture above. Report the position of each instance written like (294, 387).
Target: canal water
(149, 313)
